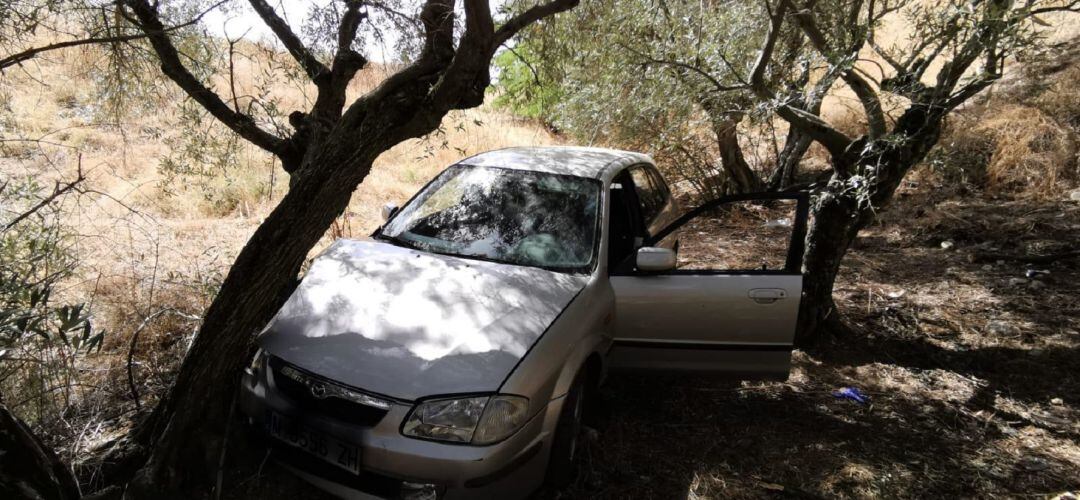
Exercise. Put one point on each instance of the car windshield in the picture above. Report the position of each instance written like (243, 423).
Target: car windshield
(513, 216)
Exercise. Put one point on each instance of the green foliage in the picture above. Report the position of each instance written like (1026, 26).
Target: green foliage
(521, 89)
(35, 257)
(43, 333)
(646, 75)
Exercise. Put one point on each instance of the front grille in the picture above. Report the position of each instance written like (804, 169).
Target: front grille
(300, 394)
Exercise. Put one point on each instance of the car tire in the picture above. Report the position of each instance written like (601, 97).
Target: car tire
(566, 445)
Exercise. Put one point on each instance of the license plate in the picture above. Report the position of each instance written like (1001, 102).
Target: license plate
(328, 448)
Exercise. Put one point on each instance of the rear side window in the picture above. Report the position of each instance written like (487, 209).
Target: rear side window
(650, 195)
(661, 186)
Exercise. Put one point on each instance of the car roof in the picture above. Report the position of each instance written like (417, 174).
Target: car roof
(566, 160)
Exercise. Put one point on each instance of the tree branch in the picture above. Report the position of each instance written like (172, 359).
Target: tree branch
(812, 125)
(536, 74)
(437, 16)
(968, 91)
(462, 84)
(173, 67)
(533, 14)
(28, 54)
(875, 114)
(332, 87)
(757, 74)
(720, 87)
(312, 66)
(58, 191)
(350, 22)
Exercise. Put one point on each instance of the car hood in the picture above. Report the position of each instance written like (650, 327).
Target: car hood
(409, 324)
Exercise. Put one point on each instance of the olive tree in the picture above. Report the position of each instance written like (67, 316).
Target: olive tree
(802, 51)
(957, 48)
(327, 150)
(662, 77)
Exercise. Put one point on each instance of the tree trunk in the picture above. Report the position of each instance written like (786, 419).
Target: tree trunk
(787, 166)
(836, 222)
(839, 213)
(190, 425)
(731, 157)
(28, 468)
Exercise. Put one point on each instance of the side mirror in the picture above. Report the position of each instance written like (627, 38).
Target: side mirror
(655, 259)
(388, 211)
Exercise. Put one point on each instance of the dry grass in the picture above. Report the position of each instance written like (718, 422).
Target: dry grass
(1024, 137)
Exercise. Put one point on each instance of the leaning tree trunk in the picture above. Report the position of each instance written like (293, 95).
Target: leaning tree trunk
(840, 210)
(28, 468)
(837, 219)
(190, 426)
(731, 157)
(796, 145)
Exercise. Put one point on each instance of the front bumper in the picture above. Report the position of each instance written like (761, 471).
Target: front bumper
(510, 469)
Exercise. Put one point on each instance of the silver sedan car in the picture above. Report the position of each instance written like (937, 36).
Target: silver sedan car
(454, 353)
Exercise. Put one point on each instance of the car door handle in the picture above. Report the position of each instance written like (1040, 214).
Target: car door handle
(767, 295)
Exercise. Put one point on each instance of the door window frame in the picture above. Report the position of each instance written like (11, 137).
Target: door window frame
(628, 197)
(650, 173)
(796, 246)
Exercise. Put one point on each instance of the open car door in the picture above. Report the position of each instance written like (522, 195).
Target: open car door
(729, 305)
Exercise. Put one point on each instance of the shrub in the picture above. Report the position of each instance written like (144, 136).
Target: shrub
(41, 334)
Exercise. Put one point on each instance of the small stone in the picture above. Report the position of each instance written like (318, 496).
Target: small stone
(988, 267)
(1034, 463)
(1057, 402)
(1036, 285)
(997, 327)
(1014, 282)
(1075, 195)
(947, 245)
(897, 294)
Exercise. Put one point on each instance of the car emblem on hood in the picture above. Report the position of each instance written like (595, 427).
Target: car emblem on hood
(318, 389)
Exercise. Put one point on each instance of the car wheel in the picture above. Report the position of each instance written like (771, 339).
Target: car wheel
(565, 446)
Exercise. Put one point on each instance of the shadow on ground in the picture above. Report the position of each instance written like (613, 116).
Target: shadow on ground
(971, 370)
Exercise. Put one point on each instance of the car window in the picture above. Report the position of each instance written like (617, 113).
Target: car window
(661, 186)
(513, 216)
(649, 195)
(738, 236)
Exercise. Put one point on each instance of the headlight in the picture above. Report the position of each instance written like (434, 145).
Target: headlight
(477, 420)
(503, 416)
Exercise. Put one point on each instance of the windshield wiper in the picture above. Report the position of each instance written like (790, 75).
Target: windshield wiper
(401, 242)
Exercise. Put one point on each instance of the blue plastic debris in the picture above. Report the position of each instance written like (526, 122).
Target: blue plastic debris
(852, 394)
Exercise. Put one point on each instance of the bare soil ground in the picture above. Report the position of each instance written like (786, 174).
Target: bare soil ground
(970, 367)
